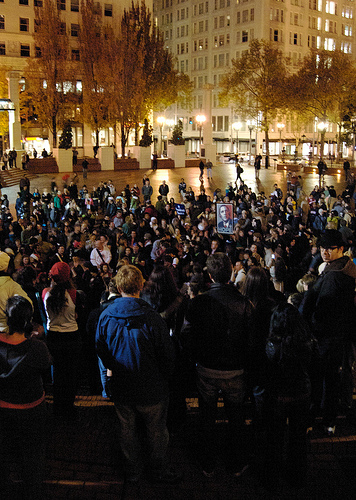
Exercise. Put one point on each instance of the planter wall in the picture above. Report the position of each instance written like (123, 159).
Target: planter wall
(126, 164)
(177, 153)
(143, 156)
(64, 159)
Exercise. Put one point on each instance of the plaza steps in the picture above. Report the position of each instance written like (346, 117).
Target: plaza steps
(12, 177)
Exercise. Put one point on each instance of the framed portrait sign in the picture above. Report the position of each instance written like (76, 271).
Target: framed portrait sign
(225, 218)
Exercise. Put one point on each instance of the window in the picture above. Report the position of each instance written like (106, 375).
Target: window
(252, 14)
(23, 2)
(24, 24)
(108, 10)
(244, 16)
(61, 4)
(38, 52)
(2, 49)
(221, 40)
(38, 3)
(221, 21)
(2, 22)
(75, 55)
(74, 6)
(244, 36)
(220, 124)
(238, 20)
(25, 50)
(74, 29)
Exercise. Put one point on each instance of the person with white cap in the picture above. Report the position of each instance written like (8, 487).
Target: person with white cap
(8, 288)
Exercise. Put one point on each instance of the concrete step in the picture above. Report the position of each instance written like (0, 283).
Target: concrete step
(12, 177)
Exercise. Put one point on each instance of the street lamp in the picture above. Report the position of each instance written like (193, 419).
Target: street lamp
(200, 120)
(353, 125)
(251, 126)
(280, 127)
(322, 126)
(236, 126)
(161, 121)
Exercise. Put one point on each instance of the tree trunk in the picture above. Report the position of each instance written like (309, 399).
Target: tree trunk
(97, 137)
(136, 133)
(123, 141)
(54, 131)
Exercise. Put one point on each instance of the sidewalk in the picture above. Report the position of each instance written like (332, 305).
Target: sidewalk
(83, 461)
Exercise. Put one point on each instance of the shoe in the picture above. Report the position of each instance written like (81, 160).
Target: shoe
(241, 470)
(209, 472)
(167, 477)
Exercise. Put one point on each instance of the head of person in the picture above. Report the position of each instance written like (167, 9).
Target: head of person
(18, 315)
(129, 281)
(219, 267)
(288, 326)
(331, 245)
(256, 285)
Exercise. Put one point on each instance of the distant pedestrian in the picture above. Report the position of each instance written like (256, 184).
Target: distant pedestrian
(201, 167)
(85, 164)
(258, 166)
(75, 157)
(209, 167)
(182, 188)
(239, 171)
(347, 167)
(164, 190)
(154, 161)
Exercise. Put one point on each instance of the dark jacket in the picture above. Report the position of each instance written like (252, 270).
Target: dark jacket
(329, 305)
(217, 328)
(133, 341)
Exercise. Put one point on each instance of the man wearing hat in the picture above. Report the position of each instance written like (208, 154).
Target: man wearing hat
(329, 308)
(8, 288)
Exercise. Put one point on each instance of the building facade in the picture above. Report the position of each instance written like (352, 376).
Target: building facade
(17, 48)
(206, 35)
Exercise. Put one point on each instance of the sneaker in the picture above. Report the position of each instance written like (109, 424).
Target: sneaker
(209, 472)
(167, 477)
(330, 431)
(241, 470)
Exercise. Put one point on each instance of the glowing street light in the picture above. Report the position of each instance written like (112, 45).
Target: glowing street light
(200, 119)
(236, 126)
(280, 127)
(161, 121)
(322, 126)
(251, 126)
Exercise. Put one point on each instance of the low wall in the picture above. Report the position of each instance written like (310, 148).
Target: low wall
(164, 163)
(193, 162)
(126, 164)
(43, 165)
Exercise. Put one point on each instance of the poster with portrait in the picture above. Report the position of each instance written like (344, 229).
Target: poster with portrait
(225, 218)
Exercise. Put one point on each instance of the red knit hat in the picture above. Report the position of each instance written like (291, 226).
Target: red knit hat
(60, 272)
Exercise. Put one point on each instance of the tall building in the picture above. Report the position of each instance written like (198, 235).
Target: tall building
(206, 35)
(17, 48)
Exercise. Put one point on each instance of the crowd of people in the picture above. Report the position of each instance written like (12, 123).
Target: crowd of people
(262, 310)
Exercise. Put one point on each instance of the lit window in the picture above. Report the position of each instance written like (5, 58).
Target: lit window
(75, 55)
(74, 29)
(25, 51)
(74, 6)
(108, 10)
(24, 24)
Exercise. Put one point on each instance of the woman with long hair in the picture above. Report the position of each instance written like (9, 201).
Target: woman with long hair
(161, 292)
(63, 337)
(22, 399)
(256, 288)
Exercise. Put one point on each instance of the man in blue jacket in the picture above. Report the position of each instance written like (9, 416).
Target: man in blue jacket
(133, 341)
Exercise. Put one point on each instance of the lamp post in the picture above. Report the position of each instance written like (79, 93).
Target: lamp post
(236, 126)
(280, 127)
(200, 120)
(251, 126)
(161, 121)
(353, 124)
(322, 126)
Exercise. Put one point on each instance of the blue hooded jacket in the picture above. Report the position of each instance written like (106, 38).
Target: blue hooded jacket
(133, 341)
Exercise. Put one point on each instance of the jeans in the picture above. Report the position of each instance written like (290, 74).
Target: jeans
(154, 418)
(231, 386)
(277, 413)
(65, 348)
(327, 383)
(25, 431)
